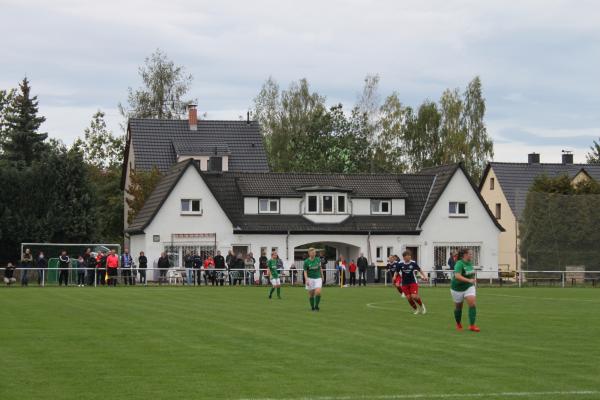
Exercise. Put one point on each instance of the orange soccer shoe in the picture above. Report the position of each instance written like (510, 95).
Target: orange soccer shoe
(474, 328)
(459, 327)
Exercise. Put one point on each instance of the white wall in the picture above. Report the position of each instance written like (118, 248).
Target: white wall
(477, 229)
(289, 206)
(398, 207)
(169, 220)
(361, 206)
(250, 205)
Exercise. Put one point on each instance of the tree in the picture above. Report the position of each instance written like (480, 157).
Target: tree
(99, 146)
(22, 137)
(162, 92)
(593, 157)
(141, 185)
(7, 98)
(478, 146)
(389, 154)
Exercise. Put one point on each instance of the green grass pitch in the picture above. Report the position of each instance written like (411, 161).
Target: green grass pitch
(233, 343)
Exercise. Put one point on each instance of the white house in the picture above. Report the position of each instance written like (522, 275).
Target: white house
(377, 214)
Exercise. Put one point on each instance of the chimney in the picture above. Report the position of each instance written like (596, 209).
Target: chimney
(567, 157)
(193, 117)
(533, 158)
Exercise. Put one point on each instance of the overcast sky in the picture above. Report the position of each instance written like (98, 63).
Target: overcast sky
(539, 60)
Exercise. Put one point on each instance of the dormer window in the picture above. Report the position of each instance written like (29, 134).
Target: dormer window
(268, 206)
(381, 207)
(215, 164)
(326, 203)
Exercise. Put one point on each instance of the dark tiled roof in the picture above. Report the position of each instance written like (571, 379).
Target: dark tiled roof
(293, 184)
(152, 141)
(515, 179)
(157, 197)
(229, 193)
(420, 192)
(200, 147)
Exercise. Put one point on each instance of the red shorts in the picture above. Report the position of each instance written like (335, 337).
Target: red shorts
(398, 281)
(411, 288)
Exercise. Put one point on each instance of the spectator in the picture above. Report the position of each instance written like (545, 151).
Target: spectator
(249, 267)
(262, 266)
(101, 268)
(220, 269)
(90, 273)
(341, 270)
(42, 266)
(142, 265)
(197, 265)
(230, 261)
(352, 269)
(91, 268)
(209, 270)
(163, 266)
(112, 268)
(452, 259)
(280, 266)
(362, 265)
(188, 261)
(323, 260)
(64, 263)
(26, 264)
(9, 274)
(80, 271)
(294, 274)
(237, 273)
(126, 266)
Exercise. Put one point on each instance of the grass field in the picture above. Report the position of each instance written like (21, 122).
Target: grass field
(233, 343)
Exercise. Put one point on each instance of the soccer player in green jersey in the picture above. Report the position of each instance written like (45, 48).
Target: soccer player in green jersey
(463, 289)
(313, 276)
(273, 275)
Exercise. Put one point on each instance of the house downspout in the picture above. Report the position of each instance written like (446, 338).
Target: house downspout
(287, 246)
(369, 245)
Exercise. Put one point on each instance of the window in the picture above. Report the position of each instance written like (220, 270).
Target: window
(492, 183)
(498, 210)
(313, 204)
(380, 207)
(378, 252)
(390, 251)
(215, 164)
(268, 206)
(191, 206)
(341, 204)
(457, 209)
(327, 204)
(441, 254)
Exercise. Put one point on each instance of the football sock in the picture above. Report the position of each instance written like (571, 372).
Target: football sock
(271, 292)
(472, 315)
(419, 302)
(458, 315)
(412, 303)
(317, 300)
(312, 302)
(278, 292)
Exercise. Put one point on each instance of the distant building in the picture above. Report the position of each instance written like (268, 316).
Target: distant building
(505, 186)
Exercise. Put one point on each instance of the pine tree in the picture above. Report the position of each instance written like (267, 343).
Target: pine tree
(22, 137)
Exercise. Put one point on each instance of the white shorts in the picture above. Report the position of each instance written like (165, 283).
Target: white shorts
(275, 281)
(314, 283)
(459, 297)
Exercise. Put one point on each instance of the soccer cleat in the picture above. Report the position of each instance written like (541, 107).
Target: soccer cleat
(403, 296)
(423, 309)
(474, 328)
(417, 311)
(459, 327)
(317, 309)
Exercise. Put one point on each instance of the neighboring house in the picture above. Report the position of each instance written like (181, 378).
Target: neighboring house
(505, 186)
(203, 210)
(216, 145)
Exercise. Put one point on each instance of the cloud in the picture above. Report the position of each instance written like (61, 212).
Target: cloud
(538, 60)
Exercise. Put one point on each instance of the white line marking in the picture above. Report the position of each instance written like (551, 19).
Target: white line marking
(540, 298)
(434, 396)
(374, 305)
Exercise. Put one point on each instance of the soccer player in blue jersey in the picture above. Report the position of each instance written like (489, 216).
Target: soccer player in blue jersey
(406, 270)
